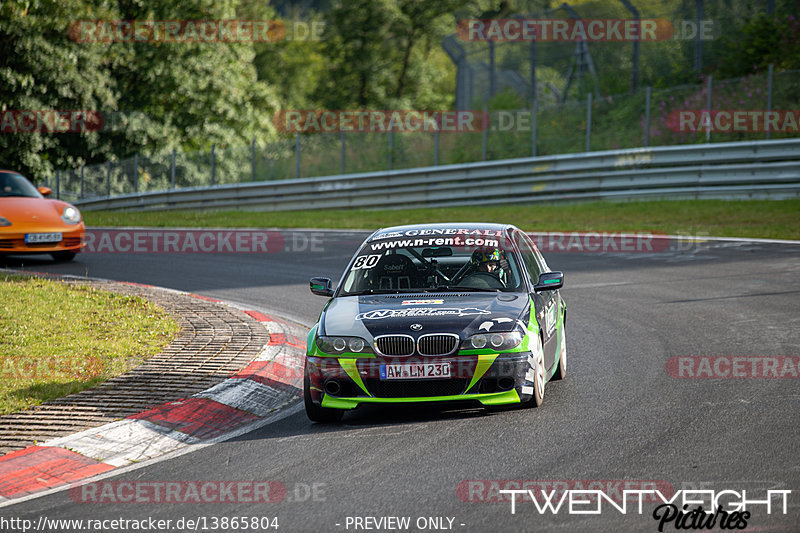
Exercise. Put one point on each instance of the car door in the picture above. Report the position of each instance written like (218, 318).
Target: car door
(546, 302)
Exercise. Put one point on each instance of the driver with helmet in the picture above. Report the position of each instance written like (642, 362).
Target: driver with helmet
(492, 262)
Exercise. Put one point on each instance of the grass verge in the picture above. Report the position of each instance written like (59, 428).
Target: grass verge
(770, 219)
(58, 338)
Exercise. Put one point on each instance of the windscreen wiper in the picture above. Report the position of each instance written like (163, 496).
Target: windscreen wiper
(454, 288)
(381, 291)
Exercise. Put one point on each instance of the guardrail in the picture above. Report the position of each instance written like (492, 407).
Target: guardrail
(752, 169)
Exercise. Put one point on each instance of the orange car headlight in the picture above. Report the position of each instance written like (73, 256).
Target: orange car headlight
(4, 222)
(71, 215)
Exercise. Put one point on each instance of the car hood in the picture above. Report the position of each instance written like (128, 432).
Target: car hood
(463, 314)
(37, 210)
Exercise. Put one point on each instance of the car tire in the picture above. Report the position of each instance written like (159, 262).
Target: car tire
(540, 377)
(561, 370)
(63, 256)
(317, 413)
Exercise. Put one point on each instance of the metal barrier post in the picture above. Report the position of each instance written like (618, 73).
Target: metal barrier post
(708, 108)
(486, 122)
(213, 163)
(391, 143)
(436, 147)
(253, 160)
(647, 116)
(589, 122)
(491, 68)
(535, 128)
(297, 155)
(769, 96)
(341, 170)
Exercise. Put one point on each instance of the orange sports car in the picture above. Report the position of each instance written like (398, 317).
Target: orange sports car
(33, 224)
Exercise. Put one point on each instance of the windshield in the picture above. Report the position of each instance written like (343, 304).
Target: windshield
(456, 263)
(16, 185)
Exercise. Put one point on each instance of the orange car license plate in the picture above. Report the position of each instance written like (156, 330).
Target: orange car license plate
(32, 238)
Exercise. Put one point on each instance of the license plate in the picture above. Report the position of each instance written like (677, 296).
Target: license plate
(415, 371)
(43, 237)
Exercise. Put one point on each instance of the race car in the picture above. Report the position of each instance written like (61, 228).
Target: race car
(33, 224)
(437, 313)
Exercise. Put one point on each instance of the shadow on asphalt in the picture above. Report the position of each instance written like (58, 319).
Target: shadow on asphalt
(368, 417)
(202, 272)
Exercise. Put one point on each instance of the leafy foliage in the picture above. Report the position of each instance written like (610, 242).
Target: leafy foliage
(154, 96)
(762, 41)
(376, 54)
(40, 69)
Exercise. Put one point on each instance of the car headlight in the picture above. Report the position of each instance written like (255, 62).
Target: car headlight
(494, 341)
(71, 215)
(338, 345)
(4, 222)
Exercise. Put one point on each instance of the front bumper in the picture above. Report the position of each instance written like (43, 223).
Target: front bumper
(72, 241)
(491, 379)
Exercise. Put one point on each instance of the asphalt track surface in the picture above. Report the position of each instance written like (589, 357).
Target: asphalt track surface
(618, 415)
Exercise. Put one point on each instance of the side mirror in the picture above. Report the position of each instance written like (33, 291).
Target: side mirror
(321, 286)
(45, 191)
(550, 281)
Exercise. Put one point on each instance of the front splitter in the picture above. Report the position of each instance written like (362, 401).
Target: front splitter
(495, 398)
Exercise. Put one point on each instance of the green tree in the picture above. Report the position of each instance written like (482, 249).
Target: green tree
(155, 95)
(359, 54)
(193, 94)
(762, 41)
(294, 64)
(41, 69)
(388, 54)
